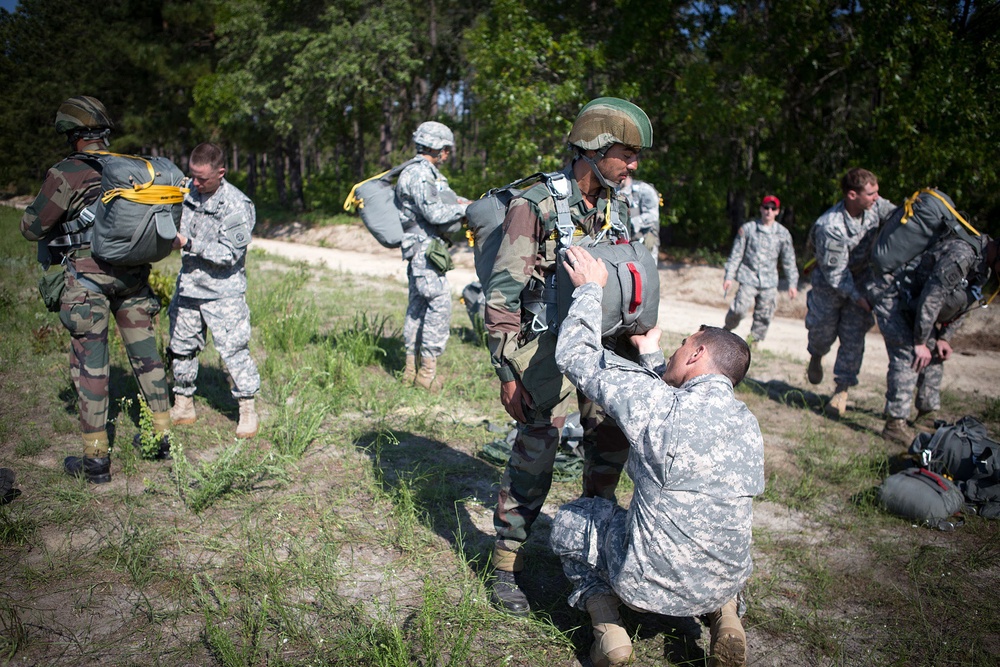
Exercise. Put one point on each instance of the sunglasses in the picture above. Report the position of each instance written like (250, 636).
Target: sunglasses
(770, 207)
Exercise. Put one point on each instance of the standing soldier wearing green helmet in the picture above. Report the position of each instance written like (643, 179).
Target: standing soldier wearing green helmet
(606, 139)
(430, 210)
(94, 290)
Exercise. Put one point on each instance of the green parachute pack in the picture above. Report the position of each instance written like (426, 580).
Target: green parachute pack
(135, 219)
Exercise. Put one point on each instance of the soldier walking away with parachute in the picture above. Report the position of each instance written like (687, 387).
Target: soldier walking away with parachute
(429, 211)
(92, 290)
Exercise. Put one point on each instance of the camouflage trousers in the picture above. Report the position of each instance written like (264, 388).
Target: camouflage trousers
(528, 476)
(764, 301)
(428, 313)
(586, 534)
(830, 316)
(901, 380)
(229, 321)
(86, 314)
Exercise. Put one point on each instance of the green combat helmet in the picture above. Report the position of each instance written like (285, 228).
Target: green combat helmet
(433, 135)
(606, 121)
(83, 117)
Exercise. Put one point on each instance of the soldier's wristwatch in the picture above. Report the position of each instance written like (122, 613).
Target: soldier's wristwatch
(187, 245)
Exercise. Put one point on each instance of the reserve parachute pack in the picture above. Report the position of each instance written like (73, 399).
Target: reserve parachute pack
(926, 217)
(375, 200)
(135, 219)
(630, 302)
(918, 494)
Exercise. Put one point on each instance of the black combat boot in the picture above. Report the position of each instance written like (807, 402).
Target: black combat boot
(507, 595)
(96, 470)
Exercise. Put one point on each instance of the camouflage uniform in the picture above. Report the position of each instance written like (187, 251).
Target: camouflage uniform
(925, 304)
(211, 289)
(753, 262)
(423, 195)
(644, 211)
(525, 260)
(842, 245)
(683, 546)
(96, 290)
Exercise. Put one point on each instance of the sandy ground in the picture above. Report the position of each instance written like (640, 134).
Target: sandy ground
(690, 296)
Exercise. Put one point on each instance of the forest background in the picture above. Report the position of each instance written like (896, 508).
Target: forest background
(311, 96)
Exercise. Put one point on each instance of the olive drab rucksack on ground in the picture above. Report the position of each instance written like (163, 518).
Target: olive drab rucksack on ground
(135, 219)
(964, 452)
(926, 217)
(375, 200)
(632, 295)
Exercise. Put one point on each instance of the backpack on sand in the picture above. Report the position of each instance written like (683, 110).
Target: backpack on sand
(632, 295)
(135, 219)
(375, 199)
(926, 217)
(964, 452)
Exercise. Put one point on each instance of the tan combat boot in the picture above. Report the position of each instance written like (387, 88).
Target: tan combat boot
(247, 428)
(815, 370)
(612, 645)
(183, 410)
(897, 431)
(427, 375)
(409, 370)
(837, 407)
(728, 647)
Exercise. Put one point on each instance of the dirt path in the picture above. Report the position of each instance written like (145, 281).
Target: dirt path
(691, 296)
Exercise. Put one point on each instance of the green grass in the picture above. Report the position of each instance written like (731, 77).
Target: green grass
(356, 528)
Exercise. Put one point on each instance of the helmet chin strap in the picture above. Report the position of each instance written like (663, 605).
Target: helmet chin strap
(597, 172)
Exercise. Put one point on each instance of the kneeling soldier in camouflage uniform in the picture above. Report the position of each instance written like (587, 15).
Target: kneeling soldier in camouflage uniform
(211, 288)
(697, 460)
(606, 139)
(95, 290)
(430, 210)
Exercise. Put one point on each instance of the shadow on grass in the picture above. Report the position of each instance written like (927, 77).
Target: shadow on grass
(795, 397)
(447, 485)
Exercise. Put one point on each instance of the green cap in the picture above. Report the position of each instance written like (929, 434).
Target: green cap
(611, 120)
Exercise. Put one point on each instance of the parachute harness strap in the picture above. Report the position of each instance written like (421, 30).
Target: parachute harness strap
(144, 193)
(352, 203)
(908, 206)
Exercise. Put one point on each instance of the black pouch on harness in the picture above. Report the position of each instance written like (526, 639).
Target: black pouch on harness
(51, 286)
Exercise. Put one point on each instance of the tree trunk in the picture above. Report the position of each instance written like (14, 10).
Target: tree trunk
(279, 174)
(298, 199)
(251, 175)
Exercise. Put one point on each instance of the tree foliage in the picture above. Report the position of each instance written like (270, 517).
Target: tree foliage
(746, 98)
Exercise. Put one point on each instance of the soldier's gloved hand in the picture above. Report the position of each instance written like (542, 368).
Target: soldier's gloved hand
(921, 357)
(944, 350)
(515, 398)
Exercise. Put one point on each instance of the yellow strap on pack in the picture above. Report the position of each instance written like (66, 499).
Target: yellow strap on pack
(144, 193)
(352, 203)
(908, 206)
